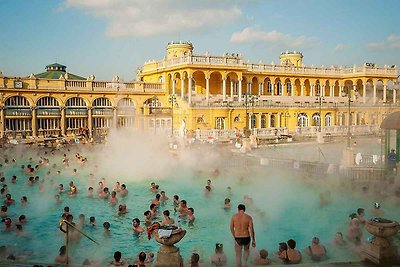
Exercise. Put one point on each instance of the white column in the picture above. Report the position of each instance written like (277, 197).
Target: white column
(249, 88)
(240, 90)
(322, 90)
(183, 87)
(224, 89)
(312, 90)
(384, 92)
(394, 96)
(190, 91)
(279, 120)
(173, 86)
(302, 90)
(259, 88)
(208, 90)
(262, 88)
(115, 117)
(292, 89)
(34, 133)
(272, 88)
(231, 93)
(269, 120)
(332, 90)
(90, 121)
(62, 123)
(364, 93)
(354, 90)
(340, 90)
(374, 94)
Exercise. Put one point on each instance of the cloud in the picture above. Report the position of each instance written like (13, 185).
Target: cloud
(393, 41)
(376, 46)
(340, 47)
(274, 38)
(138, 18)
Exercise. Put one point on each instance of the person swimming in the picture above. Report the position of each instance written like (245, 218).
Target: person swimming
(227, 204)
(113, 200)
(167, 220)
(123, 192)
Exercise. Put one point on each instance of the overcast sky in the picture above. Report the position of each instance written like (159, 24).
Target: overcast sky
(114, 37)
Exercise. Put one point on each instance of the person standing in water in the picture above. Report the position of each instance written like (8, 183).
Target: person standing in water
(243, 231)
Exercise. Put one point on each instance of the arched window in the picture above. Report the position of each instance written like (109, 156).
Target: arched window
(263, 121)
(269, 87)
(316, 118)
(273, 121)
(220, 123)
(302, 120)
(279, 88)
(253, 121)
(328, 119)
(317, 89)
(289, 88)
(17, 101)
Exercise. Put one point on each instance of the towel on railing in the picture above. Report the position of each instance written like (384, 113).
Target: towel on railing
(164, 233)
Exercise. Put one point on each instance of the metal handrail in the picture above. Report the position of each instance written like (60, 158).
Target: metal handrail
(67, 236)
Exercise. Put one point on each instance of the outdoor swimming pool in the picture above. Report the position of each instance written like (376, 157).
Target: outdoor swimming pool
(284, 207)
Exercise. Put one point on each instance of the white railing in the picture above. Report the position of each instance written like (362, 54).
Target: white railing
(238, 62)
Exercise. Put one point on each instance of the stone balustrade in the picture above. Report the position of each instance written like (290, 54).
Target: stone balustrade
(238, 62)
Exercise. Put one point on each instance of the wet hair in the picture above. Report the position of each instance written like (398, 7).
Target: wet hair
(24, 198)
(92, 219)
(136, 220)
(263, 254)
(195, 258)
(4, 208)
(166, 213)
(157, 186)
(123, 186)
(63, 250)
(291, 243)
(360, 210)
(183, 202)
(147, 212)
(283, 245)
(113, 193)
(176, 197)
(162, 192)
(22, 217)
(219, 248)
(117, 256)
(191, 209)
(208, 188)
(227, 200)
(90, 188)
(142, 256)
(19, 226)
(152, 206)
(66, 209)
(241, 207)
(315, 240)
(2, 179)
(106, 225)
(158, 196)
(352, 216)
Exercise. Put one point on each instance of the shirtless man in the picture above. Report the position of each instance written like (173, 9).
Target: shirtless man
(136, 226)
(243, 232)
(123, 192)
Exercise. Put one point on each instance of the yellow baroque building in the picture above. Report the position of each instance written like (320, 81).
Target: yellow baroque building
(227, 92)
(209, 93)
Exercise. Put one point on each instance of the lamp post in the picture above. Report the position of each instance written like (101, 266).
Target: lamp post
(348, 94)
(172, 100)
(320, 99)
(153, 110)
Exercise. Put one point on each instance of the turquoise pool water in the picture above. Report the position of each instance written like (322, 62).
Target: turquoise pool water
(284, 207)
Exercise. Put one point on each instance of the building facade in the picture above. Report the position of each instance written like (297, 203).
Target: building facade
(227, 92)
(58, 103)
(206, 92)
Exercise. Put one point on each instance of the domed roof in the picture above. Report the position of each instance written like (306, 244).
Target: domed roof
(392, 121)
(55, 70)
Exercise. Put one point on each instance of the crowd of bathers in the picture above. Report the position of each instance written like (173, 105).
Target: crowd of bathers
(157, 211)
